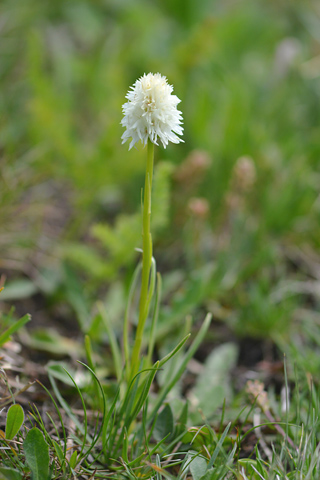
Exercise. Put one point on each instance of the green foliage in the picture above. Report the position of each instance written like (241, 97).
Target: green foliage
(9, 474)
(118, 242)
(15, 419)
(213, 385)
(68, 70)
(164, 426)
(19, 289)
(14, 327)
(70, 207)
(37, 454)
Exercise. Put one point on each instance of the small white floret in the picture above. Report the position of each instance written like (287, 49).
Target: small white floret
(151, 112)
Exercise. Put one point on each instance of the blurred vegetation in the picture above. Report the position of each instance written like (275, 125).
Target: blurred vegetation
(236, 207)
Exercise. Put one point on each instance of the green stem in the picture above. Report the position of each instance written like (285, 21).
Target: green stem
(145, 298)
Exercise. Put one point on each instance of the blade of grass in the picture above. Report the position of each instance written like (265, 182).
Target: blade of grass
(116, 353)
(154, 319)
(65, 405)
(145, 392)
(4, 337)
(84, 411)
(173, 352)
(88, 350)
(126, 347)
(193, 348)
(219, 446)
(94, 441)
(61, 421)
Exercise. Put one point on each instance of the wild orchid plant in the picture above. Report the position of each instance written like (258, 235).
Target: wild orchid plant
(150, 113)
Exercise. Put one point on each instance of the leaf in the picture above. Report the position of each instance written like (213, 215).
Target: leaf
(15, 419)
(198, 437)
(219, 446)
(18, 289)
(212, 386)
(182, 420)
(253, 468)
(164, 424)
(59, 451)
(57, 370)
(9, 474)
(188, 355)
(51, 341)
(121, 239)
(37, 454)
(5, 336)
(73, 460)
(211, 474)
(198, 465)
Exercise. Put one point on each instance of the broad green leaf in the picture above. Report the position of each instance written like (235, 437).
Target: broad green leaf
(9, 474)
(213, 385)
(164, 424)
(18, 289)
(198, 465)
(37, 454)
(73, 459)
(15, 419)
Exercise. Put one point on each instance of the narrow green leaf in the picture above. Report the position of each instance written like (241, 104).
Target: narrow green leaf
(85, 422)
(105, 416)
(88, 349)
(154, 321)
(64, 404)
(37, 454)
(15, 419)
(125, 446)
(4, 337)
(59, 451)
(174, 351)
(145, 392)
(177, 375)
(61, 422)
(219, 446)
(126, 348)
(115, 349)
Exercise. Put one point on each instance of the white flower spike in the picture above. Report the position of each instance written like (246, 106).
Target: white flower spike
(151, 112)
